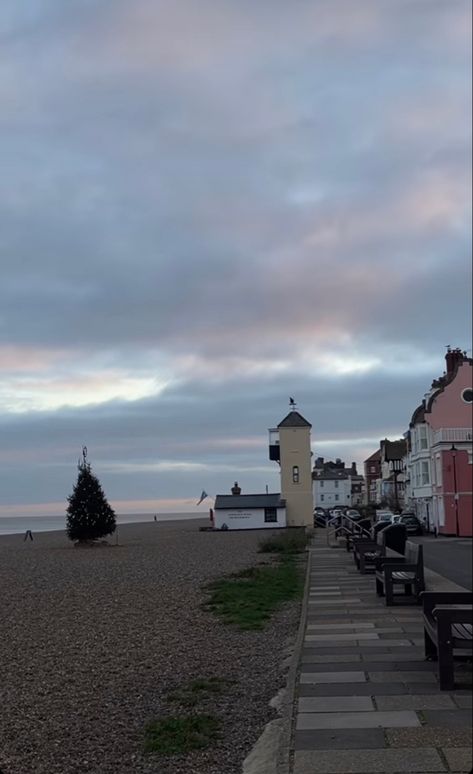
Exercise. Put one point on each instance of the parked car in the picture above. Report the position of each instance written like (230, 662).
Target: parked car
(352, 513)
(320, 517)
(384, 516)
(412, 524)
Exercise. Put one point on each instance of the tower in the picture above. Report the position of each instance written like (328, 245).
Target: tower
(290, 446)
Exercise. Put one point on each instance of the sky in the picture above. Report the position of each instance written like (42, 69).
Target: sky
(208, 206)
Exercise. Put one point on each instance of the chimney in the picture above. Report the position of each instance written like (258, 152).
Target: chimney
(236, 490)
(319, 462)
(454, 358)
(353, 469)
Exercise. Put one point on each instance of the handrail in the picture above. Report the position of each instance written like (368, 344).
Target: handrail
(341, 527)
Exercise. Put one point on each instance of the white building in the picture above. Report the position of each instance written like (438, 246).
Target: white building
(331, 488)
(335, 484)
(418, 464)
(251, 511)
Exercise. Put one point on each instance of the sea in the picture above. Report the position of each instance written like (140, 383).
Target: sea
(13, 525)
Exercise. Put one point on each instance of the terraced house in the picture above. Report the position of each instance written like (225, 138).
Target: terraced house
(440, 450)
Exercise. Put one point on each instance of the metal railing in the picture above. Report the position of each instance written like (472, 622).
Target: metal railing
(343, 525)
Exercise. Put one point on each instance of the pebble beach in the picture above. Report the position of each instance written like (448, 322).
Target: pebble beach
(95, 641)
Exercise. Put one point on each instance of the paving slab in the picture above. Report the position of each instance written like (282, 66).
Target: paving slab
(464, 702)
(340, 626)
(354, 689)
(346, 739)
(429, 736)
(411, 656)
(348, 658)
(341, 637)
(414, 702)
(336, 704)
(399, 719)
(343, 649)
(372, 761)
(389, 643)
(404, 677)
(456, 718)
(332, 677)
(335, 601)
(373, 666)
(459, 758)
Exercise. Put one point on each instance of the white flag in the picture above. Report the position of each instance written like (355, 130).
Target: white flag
(202, 497)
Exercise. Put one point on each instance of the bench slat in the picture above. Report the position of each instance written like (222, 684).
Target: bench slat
(462, 631)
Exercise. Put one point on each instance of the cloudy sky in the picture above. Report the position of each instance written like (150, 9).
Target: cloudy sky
(207, 206)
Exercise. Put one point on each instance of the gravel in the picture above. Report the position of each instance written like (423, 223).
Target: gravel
(94, 640)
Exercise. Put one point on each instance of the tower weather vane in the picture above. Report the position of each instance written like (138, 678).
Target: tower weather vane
(292, 403)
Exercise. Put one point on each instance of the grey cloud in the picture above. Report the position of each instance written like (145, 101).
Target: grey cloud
(232, 180)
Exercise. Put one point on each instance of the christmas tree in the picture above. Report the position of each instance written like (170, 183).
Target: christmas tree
(89, 516)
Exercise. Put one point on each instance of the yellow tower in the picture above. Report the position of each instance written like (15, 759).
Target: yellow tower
(290, 446)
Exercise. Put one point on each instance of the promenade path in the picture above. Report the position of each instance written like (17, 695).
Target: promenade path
(366, 700)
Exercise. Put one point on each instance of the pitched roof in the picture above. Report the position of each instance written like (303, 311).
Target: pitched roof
(375, 456)
(249, 501)
(294, 419)
(330, 475)
(394, 450)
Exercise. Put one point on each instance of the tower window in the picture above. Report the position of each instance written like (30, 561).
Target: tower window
(295, 474)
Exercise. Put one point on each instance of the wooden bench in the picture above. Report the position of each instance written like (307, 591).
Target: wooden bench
(360, 531)
(448, 627)
(368, 540)
(391, 536)
(406, 571)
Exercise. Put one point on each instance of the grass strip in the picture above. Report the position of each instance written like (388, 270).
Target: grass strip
(177, 735)
(249, 598)
(292, 542)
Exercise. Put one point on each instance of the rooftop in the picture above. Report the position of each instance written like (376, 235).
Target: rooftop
(272, 500)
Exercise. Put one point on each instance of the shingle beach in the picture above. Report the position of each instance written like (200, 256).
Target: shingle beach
(94, 641)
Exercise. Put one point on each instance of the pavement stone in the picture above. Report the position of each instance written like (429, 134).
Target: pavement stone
(332, 627)
(372, 761)
(354, 689)
(346, 739)
(336, 704)
(399, 719)
(404, 677)
(331, 659)
(464, 702)
(389, 667)
(415, 702)
(457, 718)
(410, 657)
(459, 758)
(427, 736)
(332, 677)
(341, 637)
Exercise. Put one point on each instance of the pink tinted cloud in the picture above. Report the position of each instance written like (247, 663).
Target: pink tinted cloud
(27, 359)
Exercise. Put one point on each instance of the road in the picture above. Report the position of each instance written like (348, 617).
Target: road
(450, 557)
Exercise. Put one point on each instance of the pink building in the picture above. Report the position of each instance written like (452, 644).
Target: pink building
(448, 416)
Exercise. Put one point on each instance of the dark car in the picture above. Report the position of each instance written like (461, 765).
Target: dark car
(320, 517)
(412, 524)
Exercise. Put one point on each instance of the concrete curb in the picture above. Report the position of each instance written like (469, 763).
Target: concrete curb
(288, 708)
(272, 752)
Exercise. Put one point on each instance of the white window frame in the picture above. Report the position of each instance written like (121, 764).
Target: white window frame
(425, 472)
(423, 440)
